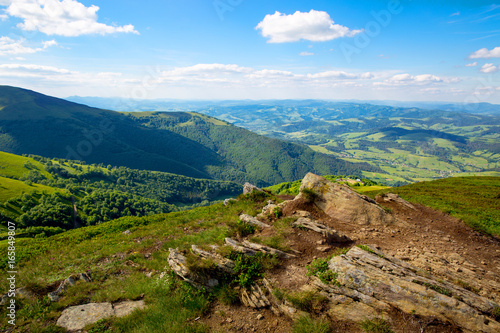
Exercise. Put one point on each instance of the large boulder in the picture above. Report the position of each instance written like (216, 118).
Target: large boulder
(77, 317)
(343, 203)
(368, 277)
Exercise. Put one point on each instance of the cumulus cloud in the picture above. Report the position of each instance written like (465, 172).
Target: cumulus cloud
(314, 26)
(489, 68)
(473, 64)
(484, 53)
(49, 43)
(68, 18)
(229, 81)
(417, 79)
(9, 46)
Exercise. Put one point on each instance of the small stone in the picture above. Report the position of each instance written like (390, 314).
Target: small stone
(323, 248)
(446, 239)
(229, 320)
(260, 317)
(126, 232)
(320, 242)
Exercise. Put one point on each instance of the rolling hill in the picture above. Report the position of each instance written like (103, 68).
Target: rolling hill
(188, 144)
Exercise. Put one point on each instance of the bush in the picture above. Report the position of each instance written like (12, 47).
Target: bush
(319, 268)
(251, 268)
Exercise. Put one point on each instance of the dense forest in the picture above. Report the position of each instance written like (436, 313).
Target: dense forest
(76, 194)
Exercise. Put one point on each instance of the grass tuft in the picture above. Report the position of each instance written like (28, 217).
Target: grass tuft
(306, 324)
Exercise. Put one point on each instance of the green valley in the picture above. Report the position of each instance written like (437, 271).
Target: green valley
(189, 144)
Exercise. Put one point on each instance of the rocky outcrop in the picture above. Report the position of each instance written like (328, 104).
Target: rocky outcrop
(70, 281)
(178, 263)
(331, 235)
(343, 203)
(252, 220)
(249, 188)
(77, 317)
(371, 278)
(391, 197)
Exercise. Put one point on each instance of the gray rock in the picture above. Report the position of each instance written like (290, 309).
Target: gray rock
(249, 188)
(70, 281)
(125, 308)
(331, 235)
(343, 203)
(77, 317)
(381, 282)
(252, 220)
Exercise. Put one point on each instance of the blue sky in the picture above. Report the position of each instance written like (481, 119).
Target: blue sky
(251, 49)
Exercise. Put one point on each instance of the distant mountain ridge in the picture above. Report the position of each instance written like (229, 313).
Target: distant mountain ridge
(188, 144)
(123, 104)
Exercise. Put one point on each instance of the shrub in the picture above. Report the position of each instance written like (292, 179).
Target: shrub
(247, 268)
(319, 268)
(277, 212)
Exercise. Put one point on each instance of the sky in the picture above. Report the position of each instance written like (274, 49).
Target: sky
(420, 50)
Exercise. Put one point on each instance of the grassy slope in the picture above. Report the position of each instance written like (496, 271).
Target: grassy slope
(118, 261)
(44, 261)
(12, 188)
(13, 166)
(475, 200)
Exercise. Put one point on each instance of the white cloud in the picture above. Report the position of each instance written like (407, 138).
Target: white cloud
(489, 68)
(64, 18)
(49, 43)
(484, 53)
(10, 46)
(473, 64)
(455, 14)
(406, 79)
(304, 54)
(315, 26)
(339, 75)
(32, 69)
(223, 81)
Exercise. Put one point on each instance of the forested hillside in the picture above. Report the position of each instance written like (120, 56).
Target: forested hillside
(182, 143)
(42, 193)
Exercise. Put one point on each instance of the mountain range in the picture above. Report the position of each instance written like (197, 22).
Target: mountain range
(184, 143)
